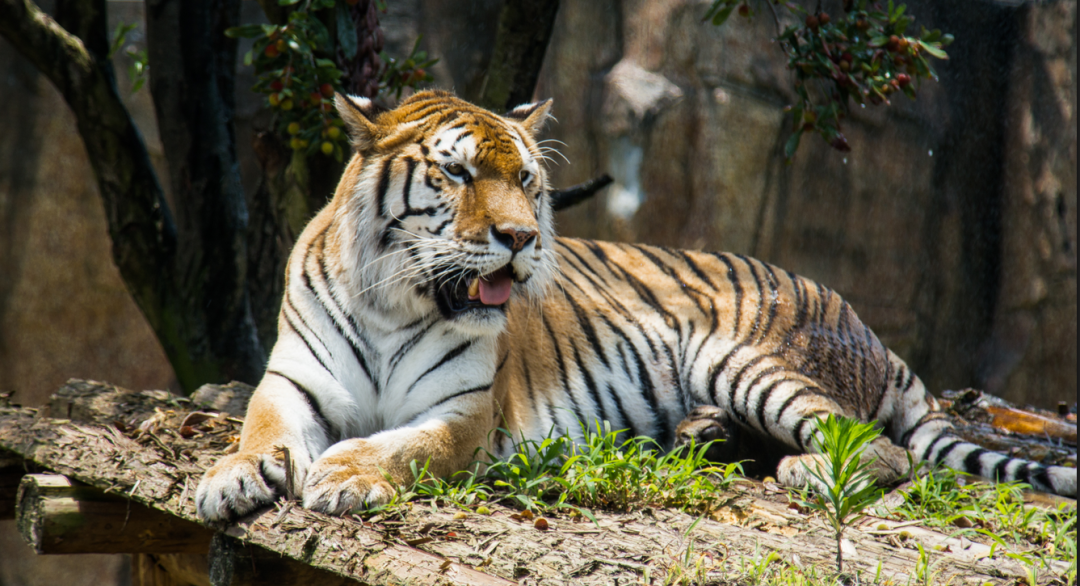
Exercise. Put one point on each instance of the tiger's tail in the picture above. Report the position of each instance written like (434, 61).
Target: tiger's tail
(930, 434)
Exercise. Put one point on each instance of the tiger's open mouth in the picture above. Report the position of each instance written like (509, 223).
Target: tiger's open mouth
(466, 290)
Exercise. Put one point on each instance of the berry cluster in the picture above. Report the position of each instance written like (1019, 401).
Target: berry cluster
(863, 56)
(299, 66)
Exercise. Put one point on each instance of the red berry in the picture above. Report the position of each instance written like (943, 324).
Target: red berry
(903, 79)
(276, 85)
(823, 18)
(326, 107)
(894, 43)
(315, 98)
(811, 22)
(326, 90)
(744, 10)
(847, 57)
(271, 51)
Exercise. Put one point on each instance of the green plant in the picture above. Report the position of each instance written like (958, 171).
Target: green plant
(140, 60)
(864, 55)
(846, 487)
(297, 69)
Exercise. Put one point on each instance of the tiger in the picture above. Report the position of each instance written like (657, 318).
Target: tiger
(430, 304)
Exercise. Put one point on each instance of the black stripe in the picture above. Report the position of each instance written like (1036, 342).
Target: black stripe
(461, 137)
(303, 338)
(944, 452)
(410, 168)
(626, 421)
(736, 285)
(761, 375)
(383, 186)
(353, 330)
(452, 354)
(590, 384)
(927, 418)
(999, 474)
(478, 389)
(529, 387)
(667, 269)
(313, 403)
(588, 329)
(774, 301)
(409, 344)
(791, 401)
(766, 394)
(971, 461)
(562, 369)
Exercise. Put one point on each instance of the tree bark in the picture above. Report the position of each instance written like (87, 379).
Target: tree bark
(141, 227)
(192, 79)
(187, 277)
(524, 31)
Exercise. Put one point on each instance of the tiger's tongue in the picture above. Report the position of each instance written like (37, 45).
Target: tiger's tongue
(495, 288)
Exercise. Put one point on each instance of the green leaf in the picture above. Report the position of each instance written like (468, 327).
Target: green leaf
(287, 2)
(935, 51)
(792, 144)
(346, 32)
(248, 58)
(246, 31)
(723, 15)
(120, 37)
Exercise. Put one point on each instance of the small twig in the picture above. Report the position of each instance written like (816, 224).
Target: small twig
(564, 198)
(493, 536)
(290, 493)
(284, 511)
(629, 565)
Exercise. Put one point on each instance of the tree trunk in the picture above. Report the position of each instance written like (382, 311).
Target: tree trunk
(192, 79)
(524, 31)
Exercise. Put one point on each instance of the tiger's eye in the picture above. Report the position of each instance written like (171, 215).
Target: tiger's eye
(524, 176)
(455, 169)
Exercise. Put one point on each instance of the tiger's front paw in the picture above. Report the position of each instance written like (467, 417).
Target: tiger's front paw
(237, 485)
(345, 480)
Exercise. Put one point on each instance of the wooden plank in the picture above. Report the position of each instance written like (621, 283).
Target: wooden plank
(56, 515)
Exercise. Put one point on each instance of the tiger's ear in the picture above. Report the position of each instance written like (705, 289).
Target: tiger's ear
(533, 116)
(359, 114)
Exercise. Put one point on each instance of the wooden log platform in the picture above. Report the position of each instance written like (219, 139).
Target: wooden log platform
(116, 447)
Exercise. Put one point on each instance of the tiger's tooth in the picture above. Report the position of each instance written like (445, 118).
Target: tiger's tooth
(474, 288)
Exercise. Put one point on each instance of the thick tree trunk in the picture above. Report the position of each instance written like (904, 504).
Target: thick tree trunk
(188, 278)
(524, 31)
(192, 79)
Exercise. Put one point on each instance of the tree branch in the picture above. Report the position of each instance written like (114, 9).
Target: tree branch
(571, 196)
(524, 31)
(142, 229)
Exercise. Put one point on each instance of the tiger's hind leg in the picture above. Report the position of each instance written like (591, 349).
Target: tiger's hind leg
(768, 397)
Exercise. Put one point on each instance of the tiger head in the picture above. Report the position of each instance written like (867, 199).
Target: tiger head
(449, 207)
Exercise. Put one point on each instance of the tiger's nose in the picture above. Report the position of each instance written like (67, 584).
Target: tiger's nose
(513, 238)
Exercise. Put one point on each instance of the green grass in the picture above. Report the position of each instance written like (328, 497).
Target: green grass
(605, 471)
(600, 471)
(996, 515)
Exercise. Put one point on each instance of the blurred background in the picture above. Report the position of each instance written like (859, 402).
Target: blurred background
(950, 226)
